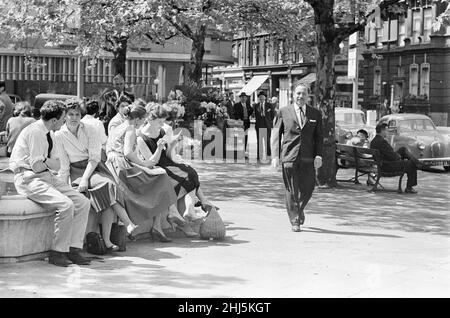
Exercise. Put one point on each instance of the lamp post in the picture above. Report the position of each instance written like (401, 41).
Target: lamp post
(156, 82)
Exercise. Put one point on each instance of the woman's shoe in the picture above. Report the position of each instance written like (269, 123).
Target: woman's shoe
(130, 230)
(187, 230)
(175, 220)
(112, 248)
(159, 236)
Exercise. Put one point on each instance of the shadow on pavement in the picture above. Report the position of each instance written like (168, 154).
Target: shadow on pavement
(352, 204)
(324, 231)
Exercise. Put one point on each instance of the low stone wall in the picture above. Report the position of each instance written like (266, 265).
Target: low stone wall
(26, 230)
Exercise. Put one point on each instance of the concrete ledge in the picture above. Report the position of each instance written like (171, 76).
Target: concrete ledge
(26, 230)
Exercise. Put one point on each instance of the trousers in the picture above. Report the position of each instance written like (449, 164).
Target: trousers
(52, 193)
(299, 180)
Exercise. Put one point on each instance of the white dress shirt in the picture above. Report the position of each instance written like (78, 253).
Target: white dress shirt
(298, 113)
(86, 145)
(32, 146)
(95, 122)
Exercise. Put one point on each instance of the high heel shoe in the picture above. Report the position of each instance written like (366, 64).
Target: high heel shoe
(112, 248)
(160, 236)
(175, 220)
(187, 230)
(130, 230)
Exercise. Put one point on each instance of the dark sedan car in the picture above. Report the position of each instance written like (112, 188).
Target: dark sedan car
(42, 98)
(419, 135)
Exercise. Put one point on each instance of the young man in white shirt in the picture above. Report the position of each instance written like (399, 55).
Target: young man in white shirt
(35, 162)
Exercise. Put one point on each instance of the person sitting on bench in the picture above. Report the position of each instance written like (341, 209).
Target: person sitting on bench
(398, 160)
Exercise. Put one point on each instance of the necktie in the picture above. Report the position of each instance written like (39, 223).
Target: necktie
(302, 117)
(262, 110)
(50, 144)
(245, 111)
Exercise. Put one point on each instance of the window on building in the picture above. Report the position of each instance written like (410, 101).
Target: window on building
(416, 25)
(377, 80)
(380, 37)
(427, 24)
(280, 51)
(414, 79)
(425, 79)
(401, 31)
(239, 54)
(266, 52)
(385, 31)
(393, 30)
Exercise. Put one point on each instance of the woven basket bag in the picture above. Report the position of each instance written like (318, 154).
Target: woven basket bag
(213, 227)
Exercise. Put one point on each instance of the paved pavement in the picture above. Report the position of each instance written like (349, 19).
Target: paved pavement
(354, 244)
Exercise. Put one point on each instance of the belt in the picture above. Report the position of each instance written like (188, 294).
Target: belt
(20, 170)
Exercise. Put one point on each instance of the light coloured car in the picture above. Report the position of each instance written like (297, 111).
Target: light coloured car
(420, 136)
(348, 122)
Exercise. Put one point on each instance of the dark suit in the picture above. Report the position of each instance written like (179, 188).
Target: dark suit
(239, 114)
(299, 148)
(263, 125)
(394, 161)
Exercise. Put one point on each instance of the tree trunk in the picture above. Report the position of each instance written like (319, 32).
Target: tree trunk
(196, 61)
(325, 93)
(120, 56)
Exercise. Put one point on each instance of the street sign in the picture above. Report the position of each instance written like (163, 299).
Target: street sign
(352, 60)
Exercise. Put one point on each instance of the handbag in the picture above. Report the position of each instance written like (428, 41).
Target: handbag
(95, 244)
(118, 236)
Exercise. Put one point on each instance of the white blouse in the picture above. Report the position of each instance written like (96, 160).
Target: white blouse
(86, 145)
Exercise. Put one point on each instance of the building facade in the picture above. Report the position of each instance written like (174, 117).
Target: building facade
(406, 62)
(28, 72)
(265, 62)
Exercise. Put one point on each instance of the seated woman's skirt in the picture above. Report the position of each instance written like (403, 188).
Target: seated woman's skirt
(144, 192)
(102, 189)
(183, 177)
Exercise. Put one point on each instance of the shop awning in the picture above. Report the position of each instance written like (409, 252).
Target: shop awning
(253, 84)
(308, 79)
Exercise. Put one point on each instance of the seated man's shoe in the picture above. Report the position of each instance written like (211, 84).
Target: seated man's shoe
(296, 228)
(75, 256)
(410, 190)
(59, 259)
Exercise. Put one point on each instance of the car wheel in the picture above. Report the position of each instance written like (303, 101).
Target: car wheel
(447, 168)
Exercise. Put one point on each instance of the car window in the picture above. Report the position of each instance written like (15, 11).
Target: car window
(423, 124)
(350, 118)
(405, 124)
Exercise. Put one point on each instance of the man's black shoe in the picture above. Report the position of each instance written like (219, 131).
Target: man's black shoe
(410, 190)
(59, 259)
(75, 256)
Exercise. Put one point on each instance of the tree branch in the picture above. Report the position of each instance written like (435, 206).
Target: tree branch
(344, 32)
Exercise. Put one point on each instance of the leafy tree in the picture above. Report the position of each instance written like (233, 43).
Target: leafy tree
(92, 26)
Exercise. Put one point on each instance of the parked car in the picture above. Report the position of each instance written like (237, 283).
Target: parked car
(40, 99)
(15, 98)
(348, 122)
(419, 135)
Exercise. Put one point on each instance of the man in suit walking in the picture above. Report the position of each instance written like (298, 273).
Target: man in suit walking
(301, 152)
(395, 161)
(243, 111)
(264, 115)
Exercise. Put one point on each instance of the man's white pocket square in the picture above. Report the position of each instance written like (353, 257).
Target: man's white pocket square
(312, 120)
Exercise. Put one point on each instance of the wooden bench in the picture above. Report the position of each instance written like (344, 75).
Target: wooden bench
(364, 161)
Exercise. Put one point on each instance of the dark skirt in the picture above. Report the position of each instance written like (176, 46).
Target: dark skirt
(145, 193)
(102, 190)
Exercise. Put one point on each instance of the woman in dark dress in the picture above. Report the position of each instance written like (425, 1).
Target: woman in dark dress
(147, 191)
(152, 142)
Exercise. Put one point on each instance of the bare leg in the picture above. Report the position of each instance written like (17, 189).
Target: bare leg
(123, 216)
(107, 218)
(92, 224)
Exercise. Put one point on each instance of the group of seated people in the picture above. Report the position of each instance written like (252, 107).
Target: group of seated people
(65, 162)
